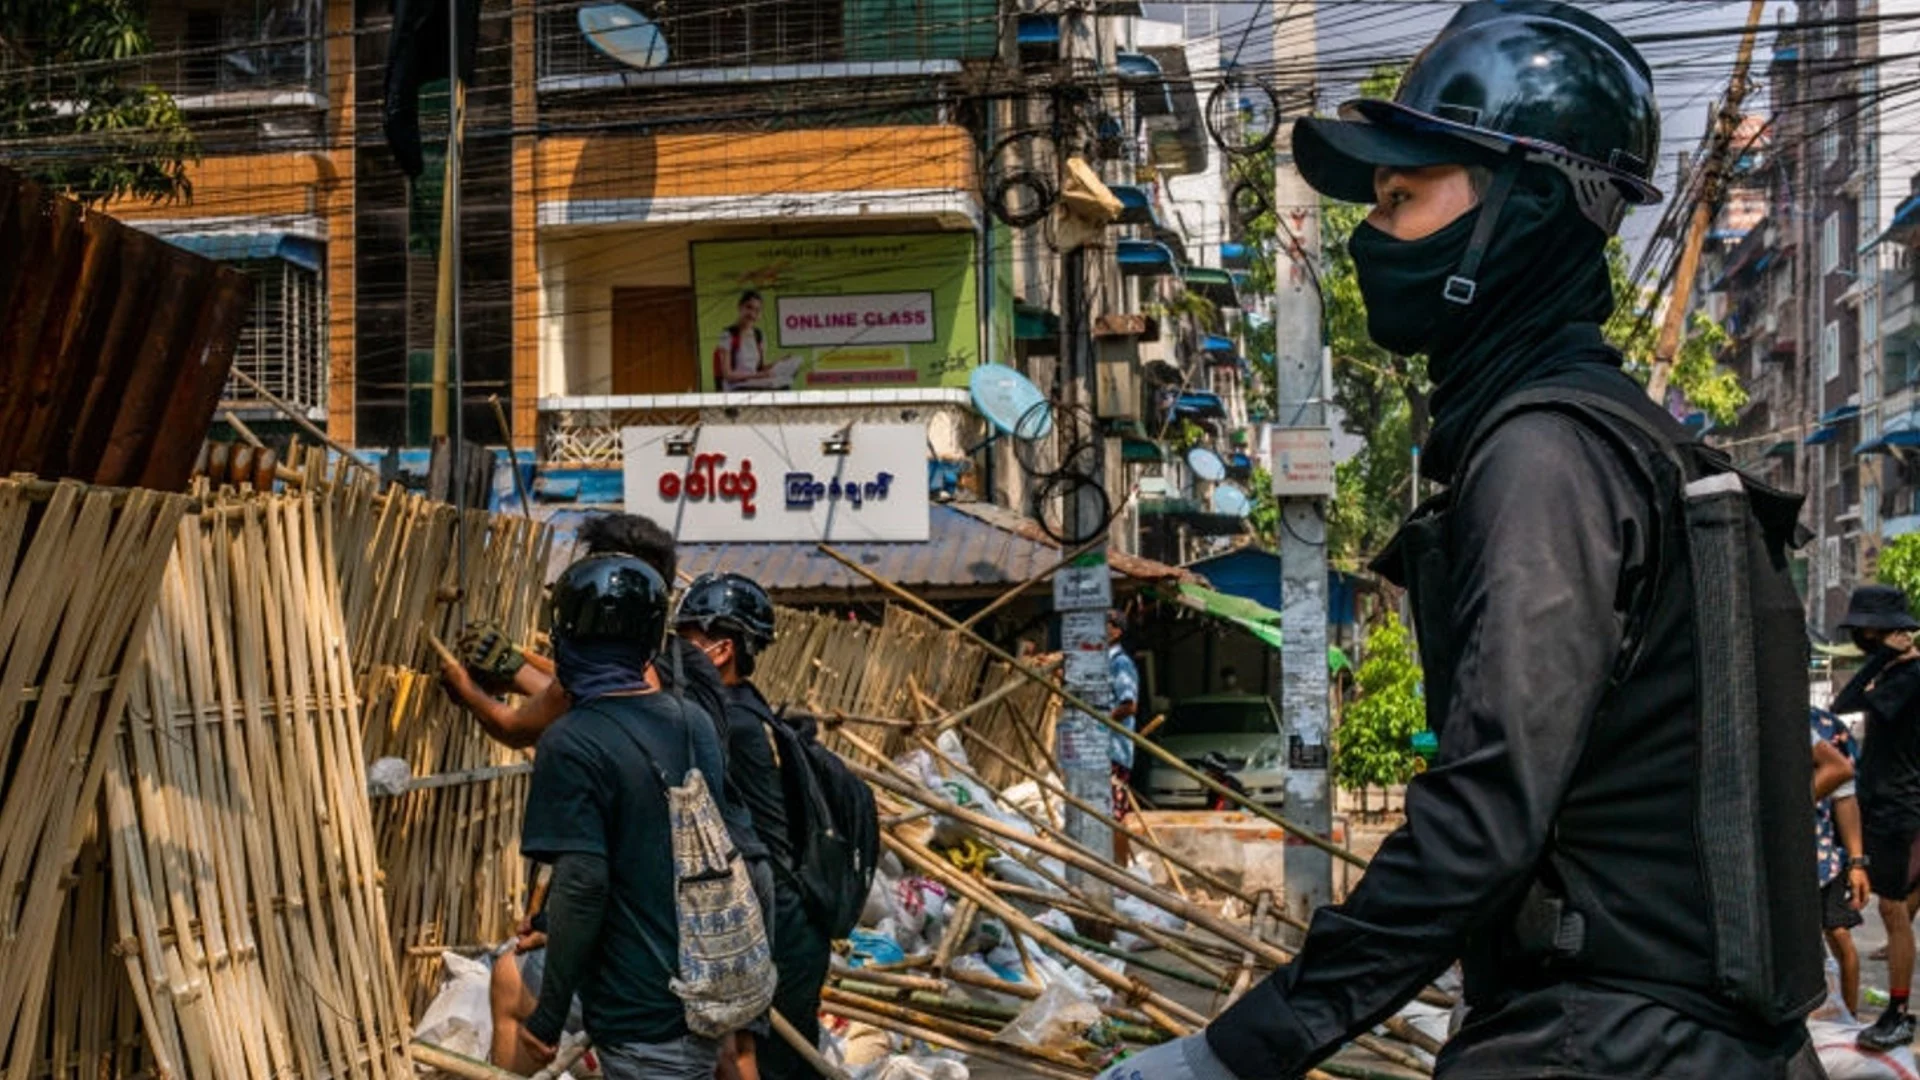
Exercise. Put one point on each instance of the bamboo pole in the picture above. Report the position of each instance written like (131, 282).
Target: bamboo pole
(966, 1046)
(1162, 1009)
(1095, 712)
(807, 1051)
(1192, 913)
(1019, 590)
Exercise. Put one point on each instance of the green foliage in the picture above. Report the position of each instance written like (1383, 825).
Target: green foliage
(1264, 519)
(1373, 746)
(72, 111)
(1696, 373)
(1900, 564)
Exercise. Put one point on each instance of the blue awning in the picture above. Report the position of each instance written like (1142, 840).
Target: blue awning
(1235, 256)
(1144, 258)
(1144, 74)
(1844, 412)
(230, 247)
(1199, 404)
(1037, 30)
(1905, 438)
(1214, 343)
(1136, 205)
(1822, 436)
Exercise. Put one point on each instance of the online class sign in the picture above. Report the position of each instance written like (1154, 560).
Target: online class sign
(846, 313)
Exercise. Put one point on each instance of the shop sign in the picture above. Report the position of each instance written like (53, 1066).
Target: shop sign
(781, 482)
(837, 313)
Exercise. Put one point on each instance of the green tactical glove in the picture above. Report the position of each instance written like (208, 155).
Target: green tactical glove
(490, 654)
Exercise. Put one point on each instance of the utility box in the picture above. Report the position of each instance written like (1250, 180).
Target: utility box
(1116, 366)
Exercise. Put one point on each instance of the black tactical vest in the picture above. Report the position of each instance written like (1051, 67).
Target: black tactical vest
(1681, 864)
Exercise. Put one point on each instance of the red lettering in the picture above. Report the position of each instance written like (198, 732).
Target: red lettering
(670, 486)
(708, 480)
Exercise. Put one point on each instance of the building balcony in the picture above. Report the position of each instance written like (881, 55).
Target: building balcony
(234, 57)
(717, 42)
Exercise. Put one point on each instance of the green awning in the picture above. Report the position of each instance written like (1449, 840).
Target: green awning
(1168, 507)
(1780, 449)
(1215, 285)
(1250, 615)
(1142, 450)
(1032, 323)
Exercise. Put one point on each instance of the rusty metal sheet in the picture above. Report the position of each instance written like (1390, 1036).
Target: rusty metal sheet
(114, 345)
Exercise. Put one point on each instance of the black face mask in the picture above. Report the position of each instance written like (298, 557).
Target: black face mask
(1872, 646)
(1404, 283)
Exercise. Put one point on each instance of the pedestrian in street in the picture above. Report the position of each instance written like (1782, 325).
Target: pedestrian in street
(1126, 711)
(597, 811)
(1843, 866)
(730, 619)
(1598, 781)
(1887, 690)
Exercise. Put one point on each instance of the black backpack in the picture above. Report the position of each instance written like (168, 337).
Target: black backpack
(834, 824)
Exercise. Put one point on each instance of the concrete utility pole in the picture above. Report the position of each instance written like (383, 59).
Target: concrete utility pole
(1712, 187)
(1302, 469)
(1083, 592)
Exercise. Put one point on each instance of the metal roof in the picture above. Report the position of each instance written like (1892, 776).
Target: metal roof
(114, 345)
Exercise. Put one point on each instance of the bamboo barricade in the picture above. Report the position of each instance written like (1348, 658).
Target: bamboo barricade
(449, 847)
(248, 902)
(79, 567)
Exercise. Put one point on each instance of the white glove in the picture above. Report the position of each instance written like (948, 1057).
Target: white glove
(1182, 1059)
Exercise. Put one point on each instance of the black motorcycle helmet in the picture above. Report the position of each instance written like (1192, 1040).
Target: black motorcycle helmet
(1506, 82)
(610, 598)
(731, 604)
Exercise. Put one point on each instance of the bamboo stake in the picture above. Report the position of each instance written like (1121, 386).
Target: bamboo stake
(1162, 1009)
(1017, 591)
(959, 1029)
(807, 1051)
(1096, 713)
(966, 1046)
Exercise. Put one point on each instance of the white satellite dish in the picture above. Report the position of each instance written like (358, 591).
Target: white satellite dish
(1206, 465)
(624, 34)
(1232, 501)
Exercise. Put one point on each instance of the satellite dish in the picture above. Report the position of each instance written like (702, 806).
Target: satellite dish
(624, 34)
(1010, 402)
(1230, 500)
(1206, 465)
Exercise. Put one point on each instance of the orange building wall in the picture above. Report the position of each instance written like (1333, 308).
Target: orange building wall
(734, 164)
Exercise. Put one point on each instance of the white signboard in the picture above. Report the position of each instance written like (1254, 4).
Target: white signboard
(1084, 586)
(1303, 462)
(781, 482)
(869, 319)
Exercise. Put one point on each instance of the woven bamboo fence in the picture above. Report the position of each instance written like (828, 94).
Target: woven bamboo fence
(247, 891)
(449, 847)
(79, 567)
(834, 665)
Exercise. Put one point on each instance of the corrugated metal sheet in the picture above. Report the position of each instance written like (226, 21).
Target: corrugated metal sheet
(114, 344)
(973, 550)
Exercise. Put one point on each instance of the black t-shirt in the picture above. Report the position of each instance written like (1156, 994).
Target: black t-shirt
(1888, 779)
(753, 770)
(595, 793)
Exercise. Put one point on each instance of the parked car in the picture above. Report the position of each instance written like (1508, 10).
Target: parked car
(1239, 734)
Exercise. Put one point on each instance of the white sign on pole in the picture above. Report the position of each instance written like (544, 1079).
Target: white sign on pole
(1086, 585)
(781, 482)
(1303, 462)
(868, 319)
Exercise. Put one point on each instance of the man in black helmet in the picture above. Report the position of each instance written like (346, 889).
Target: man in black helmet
(1887, 690)
(730, 618)
(597, 811)
(1596, 841)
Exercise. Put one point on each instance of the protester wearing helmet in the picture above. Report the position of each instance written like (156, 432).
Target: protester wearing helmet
(597, 811)
(730, 618)
(1556, 848)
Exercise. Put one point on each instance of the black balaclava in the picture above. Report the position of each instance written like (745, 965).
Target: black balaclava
(1540, 294)
(599, 667)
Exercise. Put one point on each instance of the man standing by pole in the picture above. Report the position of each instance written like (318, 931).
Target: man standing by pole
(1302, 469)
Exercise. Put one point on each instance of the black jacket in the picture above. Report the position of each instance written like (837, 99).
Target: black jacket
(1554, 554)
